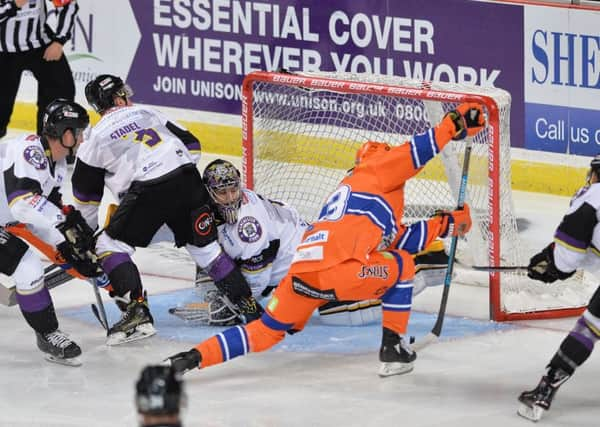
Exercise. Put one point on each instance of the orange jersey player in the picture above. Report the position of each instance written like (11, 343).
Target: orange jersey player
(357, 249)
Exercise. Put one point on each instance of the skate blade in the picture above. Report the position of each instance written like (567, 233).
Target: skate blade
(531, 413)
(141, 332)
(72, 361)
(387, 369)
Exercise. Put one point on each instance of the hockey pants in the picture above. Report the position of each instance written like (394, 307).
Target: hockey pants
(388, 276)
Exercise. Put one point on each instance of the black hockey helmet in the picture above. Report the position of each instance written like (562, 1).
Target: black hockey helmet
(159, 391)
(62, 114)
(101, 91)
(221, 175)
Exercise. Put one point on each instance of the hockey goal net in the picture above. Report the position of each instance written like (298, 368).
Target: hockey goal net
(300, 134)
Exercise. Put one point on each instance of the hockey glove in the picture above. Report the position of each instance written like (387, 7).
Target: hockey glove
(468, 120)
(78, 247)
(185, 361)
(85, 264)
(234, 285)
(456, 223)
(76, 230)
(250, 309)
(542, 267)
(246, 309)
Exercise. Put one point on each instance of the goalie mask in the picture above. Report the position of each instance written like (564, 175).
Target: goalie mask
(101, 92)
(159, 391)
(223, 183)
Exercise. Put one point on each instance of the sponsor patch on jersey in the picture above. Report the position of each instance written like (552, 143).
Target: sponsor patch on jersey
(318, 237)
(313, 253)
(377, 271)
(35, 156)
(249, 229)
(203, 224)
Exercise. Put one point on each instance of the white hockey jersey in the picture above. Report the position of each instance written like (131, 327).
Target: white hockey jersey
(128, 144)
(578, 235)
(30, 185)
(263, 240)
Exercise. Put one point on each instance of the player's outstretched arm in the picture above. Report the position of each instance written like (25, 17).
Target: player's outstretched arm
(467, 120)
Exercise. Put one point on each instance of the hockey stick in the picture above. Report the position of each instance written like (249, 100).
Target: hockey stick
(437, 328)
(55, 257)
(54, 276)
(500, 268)
(98, 308)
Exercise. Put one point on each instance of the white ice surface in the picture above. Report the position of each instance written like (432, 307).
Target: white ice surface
(460, 382)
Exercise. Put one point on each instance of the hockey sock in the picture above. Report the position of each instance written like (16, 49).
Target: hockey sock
(396, 304)
(42, 321)
(123, 274)
(578, 345)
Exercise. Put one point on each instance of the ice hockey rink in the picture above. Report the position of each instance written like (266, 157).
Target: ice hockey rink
(325, 376)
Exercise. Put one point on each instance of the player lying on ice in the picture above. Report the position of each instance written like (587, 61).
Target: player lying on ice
(261, 236)
(576, 245)
(358, 249)
(33, 169)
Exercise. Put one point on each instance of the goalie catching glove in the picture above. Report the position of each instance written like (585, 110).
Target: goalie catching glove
(542, 267)
(79, 244)
(468, 120)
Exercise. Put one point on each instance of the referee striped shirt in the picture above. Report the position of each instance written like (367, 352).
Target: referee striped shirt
(26, 28)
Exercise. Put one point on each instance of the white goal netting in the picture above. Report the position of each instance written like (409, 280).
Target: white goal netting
(301, 133)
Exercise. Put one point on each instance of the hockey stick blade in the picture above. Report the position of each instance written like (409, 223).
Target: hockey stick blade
(54, 276)
(97, 315)
(428, 339)
(193, 312)
(500, 268)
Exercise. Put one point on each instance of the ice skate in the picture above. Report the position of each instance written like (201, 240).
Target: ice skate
(395, 355)
(136, 323)
(58, 348)
(535, 402)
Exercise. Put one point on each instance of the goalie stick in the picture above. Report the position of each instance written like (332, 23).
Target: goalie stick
(55, 257)
(437, 327)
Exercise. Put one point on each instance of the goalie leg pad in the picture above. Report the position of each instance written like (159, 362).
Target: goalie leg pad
(12, 250)
(430, 267)
(350, 313)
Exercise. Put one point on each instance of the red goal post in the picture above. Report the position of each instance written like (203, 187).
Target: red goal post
(300, 133)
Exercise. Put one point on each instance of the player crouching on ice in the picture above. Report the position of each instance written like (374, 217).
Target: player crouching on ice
(148, 163)
(576, 243)
(358, 249)
(33, 168)
(261, 236)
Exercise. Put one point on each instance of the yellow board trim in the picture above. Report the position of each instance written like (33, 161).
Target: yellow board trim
(221, 139)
